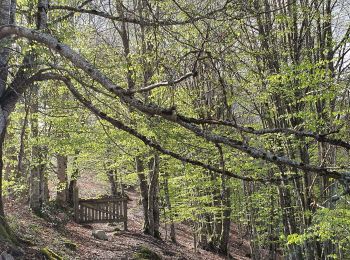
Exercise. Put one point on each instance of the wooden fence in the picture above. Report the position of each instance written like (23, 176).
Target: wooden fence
(104, 210)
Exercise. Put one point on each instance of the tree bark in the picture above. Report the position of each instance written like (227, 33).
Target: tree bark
(38, 182)
(144, 192)
(73, 180)
(153, 199)
(5, 232)
(168, 204)
(7, 14)
(226, 215)
(112, 182)
(20, 171)
(62, 188)
(5, 7)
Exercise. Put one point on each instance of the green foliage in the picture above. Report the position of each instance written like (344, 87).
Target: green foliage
(329, 225)
(55, 215)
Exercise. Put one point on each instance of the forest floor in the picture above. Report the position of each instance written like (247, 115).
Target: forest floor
(121, 244)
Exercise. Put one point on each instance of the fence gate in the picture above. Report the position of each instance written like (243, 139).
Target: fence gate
(104, 210)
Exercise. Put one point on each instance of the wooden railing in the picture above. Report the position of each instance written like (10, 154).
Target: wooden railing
(104, 210)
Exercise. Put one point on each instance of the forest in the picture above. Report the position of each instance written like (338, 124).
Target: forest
(213, 129)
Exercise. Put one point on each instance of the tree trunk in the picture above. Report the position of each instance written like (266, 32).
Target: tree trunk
(73, 180)
(62, 188)
(5, 6)
(226, 223)
(11, 157)
(226, 203)
(5, 232)
(168, 204)
(112, 181)
(20, 171)
(144, 193)
(38, 181)
(153, 200)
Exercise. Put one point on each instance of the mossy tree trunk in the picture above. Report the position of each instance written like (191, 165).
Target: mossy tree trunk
(6, 17)
(5, 232)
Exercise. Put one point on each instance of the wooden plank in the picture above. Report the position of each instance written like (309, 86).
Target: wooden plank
(99, 212)
(102, 210)
(105, 221)
(121, 210)
(105, 211)
(101, 200)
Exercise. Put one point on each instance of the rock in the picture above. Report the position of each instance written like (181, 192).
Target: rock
(6, 256)
(99, 234)
(15, 251)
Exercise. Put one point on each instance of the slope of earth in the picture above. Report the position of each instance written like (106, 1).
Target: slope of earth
(121, 244)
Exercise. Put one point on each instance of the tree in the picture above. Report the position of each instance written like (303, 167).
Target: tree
(252, 91)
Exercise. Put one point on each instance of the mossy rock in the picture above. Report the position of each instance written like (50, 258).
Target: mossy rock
(70, 245)
(49, 254)
(144, 253)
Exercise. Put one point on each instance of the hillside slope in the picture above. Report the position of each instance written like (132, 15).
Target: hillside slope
(121, 244)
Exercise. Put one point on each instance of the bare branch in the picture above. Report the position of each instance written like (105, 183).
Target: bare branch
(162, 84)
(138, 20)
(155, 110)
(317, 136)
(118, 124)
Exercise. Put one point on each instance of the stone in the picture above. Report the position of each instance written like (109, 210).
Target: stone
(6, 256)
(16, 251)
(99, 234)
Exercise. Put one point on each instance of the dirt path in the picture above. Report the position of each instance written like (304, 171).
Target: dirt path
(121, 244)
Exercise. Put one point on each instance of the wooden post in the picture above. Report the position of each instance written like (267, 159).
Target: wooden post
(125, 204)
(76, 204)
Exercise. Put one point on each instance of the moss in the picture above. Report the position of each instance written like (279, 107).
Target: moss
(6, 235)
(49, 254)
(145, 253)
(70, 245)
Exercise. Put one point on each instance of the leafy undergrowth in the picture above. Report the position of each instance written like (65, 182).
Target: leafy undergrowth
(73, 241)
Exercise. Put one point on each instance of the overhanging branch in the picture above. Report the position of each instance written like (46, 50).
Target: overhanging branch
(153, 109)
